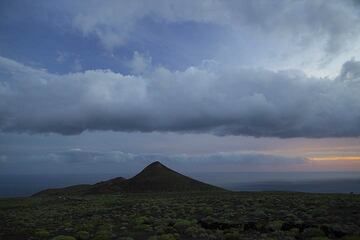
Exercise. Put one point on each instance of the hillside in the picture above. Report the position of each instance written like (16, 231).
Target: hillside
(154, 178)
(158, 178)
(71, 190)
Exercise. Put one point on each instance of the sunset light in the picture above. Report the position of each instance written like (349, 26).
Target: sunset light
(335, 158)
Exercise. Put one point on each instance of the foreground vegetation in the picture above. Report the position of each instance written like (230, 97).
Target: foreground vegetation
(167, 216)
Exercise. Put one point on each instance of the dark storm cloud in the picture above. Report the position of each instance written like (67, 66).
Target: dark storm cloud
(222, 101)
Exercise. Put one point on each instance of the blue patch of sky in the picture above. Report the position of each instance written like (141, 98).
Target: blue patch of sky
(179, 45)
(52, 43)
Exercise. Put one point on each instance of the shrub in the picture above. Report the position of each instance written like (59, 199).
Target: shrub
(83, 235)
(352, 237)
(294, 231)
(102, 235)
(181, 224)
(232, 236)
(143, 227)
(206, 210)
(313, 232)
(141, 220)
(167, 237)
(159, 229)
(192, 231)
(42, 234)
(63, 237)
(260, 214)
(275, 225)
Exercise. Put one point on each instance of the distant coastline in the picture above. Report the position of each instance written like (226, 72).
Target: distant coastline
(19, 185)
(309, 186)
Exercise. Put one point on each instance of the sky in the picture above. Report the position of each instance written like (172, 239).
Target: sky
(109, 86)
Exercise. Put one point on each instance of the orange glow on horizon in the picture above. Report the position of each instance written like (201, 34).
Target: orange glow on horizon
(335, 158)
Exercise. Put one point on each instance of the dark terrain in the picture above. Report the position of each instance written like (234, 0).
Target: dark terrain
(154, 178)
(161, 204)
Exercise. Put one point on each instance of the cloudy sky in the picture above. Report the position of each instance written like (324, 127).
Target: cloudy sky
(106, 86)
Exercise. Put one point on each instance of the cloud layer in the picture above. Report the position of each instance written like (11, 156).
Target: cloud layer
(215, 99)
(114, 22)
(78, 160)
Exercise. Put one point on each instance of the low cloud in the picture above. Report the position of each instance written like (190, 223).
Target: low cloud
(223, 101)
(77, 160)
(83, 156)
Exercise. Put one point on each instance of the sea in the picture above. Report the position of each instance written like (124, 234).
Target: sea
(22, 185)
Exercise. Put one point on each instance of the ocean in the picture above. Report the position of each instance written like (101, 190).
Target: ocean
(19, 185)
